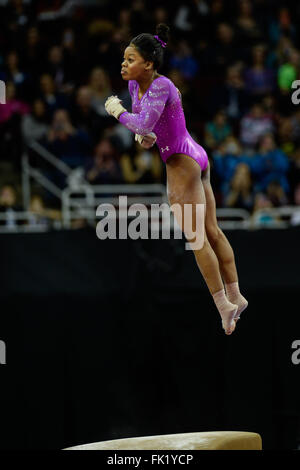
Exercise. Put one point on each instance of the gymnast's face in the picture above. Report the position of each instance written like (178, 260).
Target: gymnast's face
(134, 66)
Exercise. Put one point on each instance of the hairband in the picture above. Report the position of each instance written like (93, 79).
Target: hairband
(161, 42)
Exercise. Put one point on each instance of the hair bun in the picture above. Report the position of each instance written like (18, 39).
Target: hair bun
(162, 31)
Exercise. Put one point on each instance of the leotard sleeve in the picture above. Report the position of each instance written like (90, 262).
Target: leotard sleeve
(152, 107)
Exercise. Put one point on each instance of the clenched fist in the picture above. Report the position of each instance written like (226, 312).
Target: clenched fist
(113, 106)
(146, 141)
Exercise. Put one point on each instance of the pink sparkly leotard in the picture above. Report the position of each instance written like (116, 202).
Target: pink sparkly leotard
(160, 111)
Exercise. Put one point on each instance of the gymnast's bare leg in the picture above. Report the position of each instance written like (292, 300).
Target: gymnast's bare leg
(185, 186)
(222, 247)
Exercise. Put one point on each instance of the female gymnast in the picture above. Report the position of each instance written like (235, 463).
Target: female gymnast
(157, 116)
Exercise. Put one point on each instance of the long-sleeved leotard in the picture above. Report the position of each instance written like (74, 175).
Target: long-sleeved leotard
(160, 111)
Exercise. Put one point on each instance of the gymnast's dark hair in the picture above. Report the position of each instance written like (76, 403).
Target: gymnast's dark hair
(149, 47)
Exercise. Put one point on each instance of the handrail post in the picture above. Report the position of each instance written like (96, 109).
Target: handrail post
(26, 190)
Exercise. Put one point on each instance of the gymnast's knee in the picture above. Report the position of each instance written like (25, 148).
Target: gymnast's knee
(214, 234)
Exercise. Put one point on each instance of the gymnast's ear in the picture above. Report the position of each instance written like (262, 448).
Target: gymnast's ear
(148, 65)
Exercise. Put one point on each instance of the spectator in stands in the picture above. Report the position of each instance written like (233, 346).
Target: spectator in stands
(62, 73)
(240, 189)
(68, 44)
(40, 216)
(282, 26)
(278, 56)
(217, 130)
(231, 95)
(248, 29)
(35, 125)
(289, 71)
(123, 23)
(184, 60)
(10, 127)
(13, 107)
(104, 167)
(18, 16)
(48, 93)
(226, 158)
(269, 105)
(142, 166)
(187, 96)
(285, 135)
(271, 165)
(276, 194)
(14, 73)
(224, 52)
(33, 53)
(100, 87)
(262, 216)
(72, 146)
(254, 125)
(259, 79)
(86, 118)
(9, 206)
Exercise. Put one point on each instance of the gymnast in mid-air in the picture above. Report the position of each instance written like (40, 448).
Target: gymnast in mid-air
(158, 117)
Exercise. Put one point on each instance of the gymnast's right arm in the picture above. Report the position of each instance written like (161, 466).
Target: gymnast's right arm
(141, 123)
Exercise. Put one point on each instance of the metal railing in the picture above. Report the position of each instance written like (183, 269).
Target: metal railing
(79, 199)
(24, 221)
(89, 197)
(29, 171)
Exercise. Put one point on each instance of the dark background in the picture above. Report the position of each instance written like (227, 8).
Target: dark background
(113, 339)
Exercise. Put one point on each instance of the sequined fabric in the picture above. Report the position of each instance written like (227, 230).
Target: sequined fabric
(160, 111)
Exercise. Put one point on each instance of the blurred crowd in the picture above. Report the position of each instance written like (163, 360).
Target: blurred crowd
(234, 61)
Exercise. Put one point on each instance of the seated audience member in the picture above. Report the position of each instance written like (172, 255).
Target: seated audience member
(217, 130)
(271, 164)
(39, 215)
(100, 87)
(104, 168)
(262, 216)
(254, 125)
(231, 95)
(259, 79)
(9, 206)
(226, 158)
(49, 94)
(276, 194)
(289, 71)
(11, 114)
(69, 144)
(35, 124)
(143, 166)
(247, 27)
(282, 26)
(285, 135)
(86, 118)
(14, 73)
(240, 190)
(184, 61)
(62, 73)
(13, 106)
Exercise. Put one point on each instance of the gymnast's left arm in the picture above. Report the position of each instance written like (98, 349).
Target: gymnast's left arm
(152, 107)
